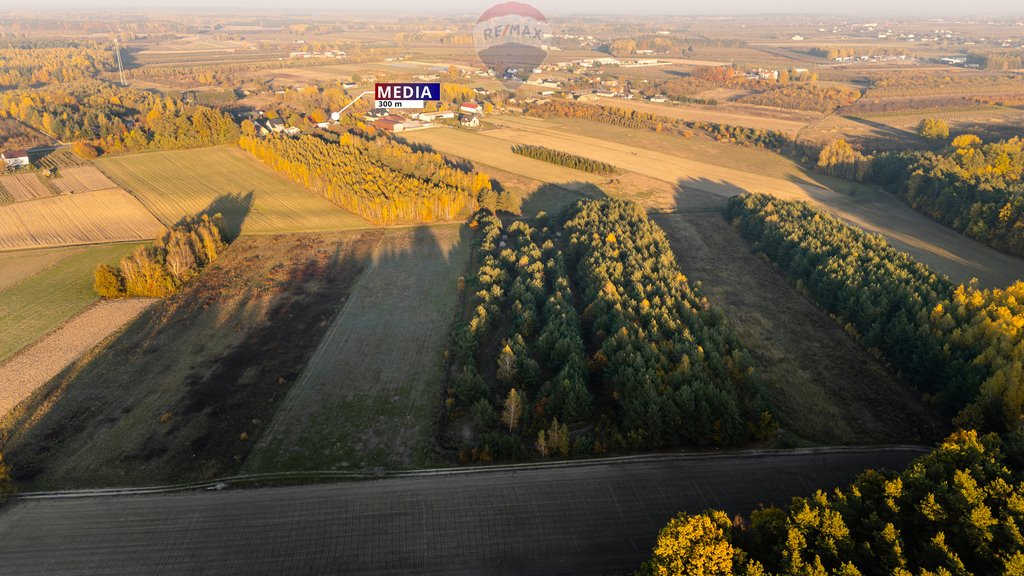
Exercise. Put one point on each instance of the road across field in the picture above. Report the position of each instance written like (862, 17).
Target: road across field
(594, 518)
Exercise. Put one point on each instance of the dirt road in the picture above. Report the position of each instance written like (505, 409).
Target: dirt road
(591, 519)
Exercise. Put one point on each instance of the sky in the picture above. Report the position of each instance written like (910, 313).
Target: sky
(926, 8)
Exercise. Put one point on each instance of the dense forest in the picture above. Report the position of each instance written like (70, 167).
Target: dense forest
(117, 119)
(27, 64)
(971, 186)
(157, 271)
(657, 367)
(957, 510)
(959, 346)
(633, 119)
(564, 159)
(377, 177)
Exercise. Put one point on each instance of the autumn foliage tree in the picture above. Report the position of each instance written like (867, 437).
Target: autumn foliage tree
(157, 271)
(377, 177)
(933, 129)
(842, 160)
(956, 510)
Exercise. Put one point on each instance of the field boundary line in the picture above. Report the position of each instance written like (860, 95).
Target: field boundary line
(681, 457)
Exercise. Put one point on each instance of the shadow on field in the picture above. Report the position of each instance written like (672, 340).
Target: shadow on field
(553, 198)
(703, 195)
(369, 396)
(234, 208)
(184, 391)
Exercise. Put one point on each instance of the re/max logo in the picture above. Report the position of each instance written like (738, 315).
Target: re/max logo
(519, 30)
(408, 91)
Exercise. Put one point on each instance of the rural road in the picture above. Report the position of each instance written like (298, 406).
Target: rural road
(591, 518)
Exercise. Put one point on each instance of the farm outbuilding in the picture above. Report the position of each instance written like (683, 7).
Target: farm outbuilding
(15, 158)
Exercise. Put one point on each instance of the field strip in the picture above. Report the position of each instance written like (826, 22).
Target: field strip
(23, 264)
(378, 364)
(86, 218)
(942, 248)
(694, 113)
(225, 179)
(36, 365)
(482, 148)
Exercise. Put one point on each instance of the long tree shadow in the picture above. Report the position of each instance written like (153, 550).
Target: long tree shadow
(187, 390)
(234, 209)
(180, 392)
(552, 198)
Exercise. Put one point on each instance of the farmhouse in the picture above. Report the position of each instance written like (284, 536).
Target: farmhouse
(391, 123)
(431, 116)
(469, 120)
(276, 125)
(15, 158)
(470, 108)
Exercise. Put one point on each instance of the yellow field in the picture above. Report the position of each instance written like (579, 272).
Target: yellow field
(22, 187)
(693, 181)
(252, 198)
(88, 218)
(86, 178)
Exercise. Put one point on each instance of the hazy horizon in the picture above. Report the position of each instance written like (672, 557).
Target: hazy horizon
(868, 8)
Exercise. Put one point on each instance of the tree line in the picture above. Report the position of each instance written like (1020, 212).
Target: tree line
(958, 345)
(115, 119)
(588, 322)
(377, 177)
(971, 186)
(956, 510)
(648, 121)
(565, 159)
(519, 370)
(159, 270)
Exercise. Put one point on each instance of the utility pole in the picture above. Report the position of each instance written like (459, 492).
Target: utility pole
(120, 66)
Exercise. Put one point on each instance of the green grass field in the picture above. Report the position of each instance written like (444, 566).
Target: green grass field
(39, 303)
(252, 198)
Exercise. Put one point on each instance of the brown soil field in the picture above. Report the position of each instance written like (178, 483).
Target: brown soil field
(87, 218)
(23, 187)
(34, 366)
(86, 178)
(822, 386)
(183, 392)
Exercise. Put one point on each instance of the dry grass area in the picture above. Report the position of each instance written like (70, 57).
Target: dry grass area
(34, 366)
(21, 187)
(369, 395)
(85, 178)
(23, 264)
(481, 147)
(87, 218)
(942, 248)
(252, 198)
(183, 392)
(785, 121)
(823, 388)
